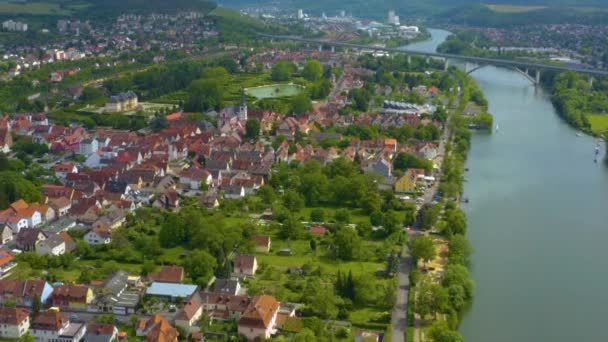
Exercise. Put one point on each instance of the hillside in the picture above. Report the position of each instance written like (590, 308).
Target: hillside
(452, 10)
(98, 9)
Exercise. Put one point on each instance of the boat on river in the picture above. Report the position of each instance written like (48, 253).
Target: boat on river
(579, 134)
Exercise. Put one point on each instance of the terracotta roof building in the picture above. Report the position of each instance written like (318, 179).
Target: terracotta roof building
(14, 322)
(258, 321)
(168, 274)
(156, 329)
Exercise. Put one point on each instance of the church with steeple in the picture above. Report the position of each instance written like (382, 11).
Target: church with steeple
(234, 113)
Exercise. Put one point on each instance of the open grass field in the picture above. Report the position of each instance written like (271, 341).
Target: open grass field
(37, 8)
(510, 9)
(599, 123)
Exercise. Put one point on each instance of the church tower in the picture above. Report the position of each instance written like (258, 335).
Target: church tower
(243, 106)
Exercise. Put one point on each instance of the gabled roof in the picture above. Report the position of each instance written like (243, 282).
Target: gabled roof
(51, 321)
(13, 316)
(244, 261)
(168, 274)
(261, 240)
(260, 312)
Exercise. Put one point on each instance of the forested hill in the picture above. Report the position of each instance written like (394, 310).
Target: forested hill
(97, 10)
(501, 12)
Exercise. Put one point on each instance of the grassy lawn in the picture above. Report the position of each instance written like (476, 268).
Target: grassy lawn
(599, 122)
(38, 8)
(274, 279)
(510, 9)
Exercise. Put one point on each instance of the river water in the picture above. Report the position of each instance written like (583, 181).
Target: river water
(537, 220)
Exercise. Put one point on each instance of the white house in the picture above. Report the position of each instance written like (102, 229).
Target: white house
(188, 316)
(428, 151)
(53, 246)
(14, 322)
(245, 265)
(98, 236)
(62, 170)
(6, 234)
(56, 327)
(89, 146)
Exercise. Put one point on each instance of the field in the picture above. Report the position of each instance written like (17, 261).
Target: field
(599, 123)
(37, 8)
(510, 9)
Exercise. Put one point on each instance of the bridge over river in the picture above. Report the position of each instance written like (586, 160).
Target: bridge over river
(520, 66)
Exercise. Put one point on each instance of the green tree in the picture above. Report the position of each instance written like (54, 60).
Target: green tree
(252, 128)
(204, 94)
(291, 229)
(26, 338)
(293, 201)
(423, 248)
(159, 122)
(305, 335)
(459, 275)
(346, 244)
(282, 71)
(301, 104)
(342, 215)
(460, 250)
(439, 332)
(313, 245)
(267, 194)
(36, 306)
(323, 303)
(313, 70)
(317, 215)
(199, 265)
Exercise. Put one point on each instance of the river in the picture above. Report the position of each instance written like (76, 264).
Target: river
(537, 219)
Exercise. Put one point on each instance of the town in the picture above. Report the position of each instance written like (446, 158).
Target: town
(221, 192)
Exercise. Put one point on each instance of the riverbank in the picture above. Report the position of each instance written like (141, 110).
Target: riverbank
(441, 285)
(580, 101)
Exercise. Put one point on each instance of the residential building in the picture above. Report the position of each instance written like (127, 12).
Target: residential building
(227, 286)
(258, 321)
(53, 246)
(406, 183)
(122, 102)
(6, 234)
(101, 333)
(168, 274)
(28, 238)
(6, 264)
(56, 327)
(187, 317)
(262, 243)
(245, 265)
(24, 292)
(98, 236)
(156, 329)
(14, 322)
(71, 297)
(62, 170)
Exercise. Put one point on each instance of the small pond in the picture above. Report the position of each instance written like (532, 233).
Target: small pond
(274, 90)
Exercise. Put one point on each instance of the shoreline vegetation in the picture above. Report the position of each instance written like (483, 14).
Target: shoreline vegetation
(445, 301)
(582, 103)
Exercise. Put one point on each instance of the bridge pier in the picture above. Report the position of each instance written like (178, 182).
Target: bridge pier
(409, 59)
(333, 49)
(537, 77)
(320, 47)
(446, 65)
(427, 60)
(591, 81)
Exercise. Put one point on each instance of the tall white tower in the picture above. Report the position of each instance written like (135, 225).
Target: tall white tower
(300, 14)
